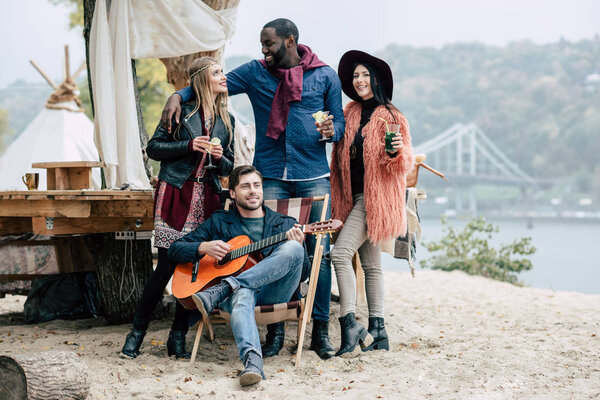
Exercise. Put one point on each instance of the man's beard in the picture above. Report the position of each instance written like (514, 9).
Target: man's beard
(278, 57)
(246, 206)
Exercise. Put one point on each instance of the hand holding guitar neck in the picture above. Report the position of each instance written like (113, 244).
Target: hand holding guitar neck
(295, 233)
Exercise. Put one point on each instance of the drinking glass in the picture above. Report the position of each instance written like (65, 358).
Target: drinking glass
(320, 117)
(390, 133)
(213, 142)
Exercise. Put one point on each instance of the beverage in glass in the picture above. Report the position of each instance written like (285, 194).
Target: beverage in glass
(320, 117)
(390, 133)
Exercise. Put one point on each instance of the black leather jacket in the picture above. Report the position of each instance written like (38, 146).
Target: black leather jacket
(176, 161)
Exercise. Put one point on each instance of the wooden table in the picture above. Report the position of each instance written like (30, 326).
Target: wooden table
(68, 175)
(94, 214)
(63, 212)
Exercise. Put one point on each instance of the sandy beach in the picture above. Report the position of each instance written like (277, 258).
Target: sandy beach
(452, 336)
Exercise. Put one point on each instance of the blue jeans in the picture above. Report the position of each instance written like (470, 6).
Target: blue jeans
(271, 281)
(275, 189)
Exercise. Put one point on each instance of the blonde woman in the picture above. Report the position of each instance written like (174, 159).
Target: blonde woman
(188, 189)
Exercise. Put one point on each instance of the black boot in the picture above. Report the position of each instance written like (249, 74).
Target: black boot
(253, 369)
(133, 342)
(207, 300)
(176, 345)
(320, 340)
(380, 337)
(275, 338)
(353, 333)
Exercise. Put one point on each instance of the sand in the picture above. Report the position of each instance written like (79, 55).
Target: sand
(452, 336)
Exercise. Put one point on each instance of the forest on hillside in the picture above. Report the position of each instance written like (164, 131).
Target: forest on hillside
(539, 103)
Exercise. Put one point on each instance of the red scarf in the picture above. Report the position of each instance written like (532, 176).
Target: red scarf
(289, 89)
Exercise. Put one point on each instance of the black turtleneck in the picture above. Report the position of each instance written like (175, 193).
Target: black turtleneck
(357, 166)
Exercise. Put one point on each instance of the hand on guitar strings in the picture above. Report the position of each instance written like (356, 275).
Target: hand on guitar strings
(295, 233)
(215, 248)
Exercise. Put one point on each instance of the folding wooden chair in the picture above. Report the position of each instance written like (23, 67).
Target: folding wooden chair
(298, 310)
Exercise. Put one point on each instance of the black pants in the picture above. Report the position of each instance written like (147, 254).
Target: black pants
(153, 293)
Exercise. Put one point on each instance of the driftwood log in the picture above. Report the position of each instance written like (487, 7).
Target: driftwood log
(43, 376)
(122, 268)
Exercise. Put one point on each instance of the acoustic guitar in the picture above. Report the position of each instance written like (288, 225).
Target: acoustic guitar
(190, 278)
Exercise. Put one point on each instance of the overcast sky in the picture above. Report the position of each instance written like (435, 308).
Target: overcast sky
(39, 30)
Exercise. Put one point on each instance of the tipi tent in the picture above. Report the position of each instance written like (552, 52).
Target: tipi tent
(60, 132)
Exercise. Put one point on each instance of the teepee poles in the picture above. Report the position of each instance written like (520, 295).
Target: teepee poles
(46, 77)
(67, 69)
(79, 70)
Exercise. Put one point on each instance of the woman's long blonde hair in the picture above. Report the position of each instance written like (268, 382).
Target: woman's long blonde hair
(200, 82)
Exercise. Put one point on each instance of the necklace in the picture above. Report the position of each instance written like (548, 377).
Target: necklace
(208, 122)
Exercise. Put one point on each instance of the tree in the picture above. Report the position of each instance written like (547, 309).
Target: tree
(469, 251)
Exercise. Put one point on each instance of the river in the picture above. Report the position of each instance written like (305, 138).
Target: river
(566, 256)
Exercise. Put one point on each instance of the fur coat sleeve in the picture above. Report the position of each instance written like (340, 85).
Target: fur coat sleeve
(385, 173)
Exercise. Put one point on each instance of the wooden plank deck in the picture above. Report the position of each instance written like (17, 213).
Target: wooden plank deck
(76, 211)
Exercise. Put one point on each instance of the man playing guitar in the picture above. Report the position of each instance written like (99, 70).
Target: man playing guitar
(272, 280)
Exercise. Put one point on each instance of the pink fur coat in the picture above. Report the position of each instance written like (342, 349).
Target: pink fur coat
(385, 176)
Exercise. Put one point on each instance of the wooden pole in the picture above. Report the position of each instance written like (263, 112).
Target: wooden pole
(67, 71)
(79, 70)
(46, 77)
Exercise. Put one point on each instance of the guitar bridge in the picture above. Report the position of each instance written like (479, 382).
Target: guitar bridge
(195, 271)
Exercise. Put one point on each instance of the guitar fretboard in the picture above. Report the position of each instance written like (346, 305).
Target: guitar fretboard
(252, 247)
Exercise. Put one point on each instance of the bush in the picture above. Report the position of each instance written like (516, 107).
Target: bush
(469, 251)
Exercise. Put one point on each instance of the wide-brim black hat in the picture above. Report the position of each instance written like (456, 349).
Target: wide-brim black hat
(346, 71)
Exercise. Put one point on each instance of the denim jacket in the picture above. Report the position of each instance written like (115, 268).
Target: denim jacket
(178, 161)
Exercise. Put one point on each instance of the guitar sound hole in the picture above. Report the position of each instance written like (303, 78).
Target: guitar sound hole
(224, 260)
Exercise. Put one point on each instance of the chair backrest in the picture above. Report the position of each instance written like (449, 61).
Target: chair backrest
(298, 208)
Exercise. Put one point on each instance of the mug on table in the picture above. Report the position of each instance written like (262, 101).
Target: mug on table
(31, 180)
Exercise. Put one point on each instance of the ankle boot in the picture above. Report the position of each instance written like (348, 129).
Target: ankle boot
(380, 337)
(320, 340)
(176, 345)
(275, 338)
(207, 300)
(253, 369)
(133, 342)
(353, 333)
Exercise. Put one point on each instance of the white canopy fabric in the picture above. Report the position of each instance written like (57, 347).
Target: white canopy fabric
(172, 28)
(139, 29)
(54, 135)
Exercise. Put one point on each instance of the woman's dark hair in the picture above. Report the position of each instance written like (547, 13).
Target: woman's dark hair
(238, 172)
(378, 88)
(284, 28)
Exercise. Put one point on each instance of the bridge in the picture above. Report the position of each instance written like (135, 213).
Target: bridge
(469, 158)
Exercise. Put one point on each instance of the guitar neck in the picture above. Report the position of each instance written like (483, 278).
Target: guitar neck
(257, 246)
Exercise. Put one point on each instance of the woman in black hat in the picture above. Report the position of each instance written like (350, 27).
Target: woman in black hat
(368, 186)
